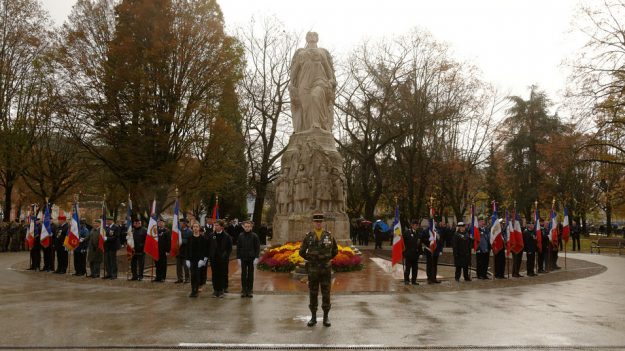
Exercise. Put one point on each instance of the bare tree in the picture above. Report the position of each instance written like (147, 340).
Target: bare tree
(269, 48)
(366, 103)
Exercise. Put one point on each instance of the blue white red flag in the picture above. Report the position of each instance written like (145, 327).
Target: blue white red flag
(176, 237)
(398, 240)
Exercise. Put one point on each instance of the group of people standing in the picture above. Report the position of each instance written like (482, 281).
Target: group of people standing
(417, 242)
(89, 251)
(200, 247)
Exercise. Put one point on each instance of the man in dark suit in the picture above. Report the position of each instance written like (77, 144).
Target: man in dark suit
(412, 251)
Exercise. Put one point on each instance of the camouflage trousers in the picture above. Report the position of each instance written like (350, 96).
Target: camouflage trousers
(320, 278)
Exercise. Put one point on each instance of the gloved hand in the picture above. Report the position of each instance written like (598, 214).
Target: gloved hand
(105, 238)
(201, 264)
(239, 262)
(255, 261)
(188, 263)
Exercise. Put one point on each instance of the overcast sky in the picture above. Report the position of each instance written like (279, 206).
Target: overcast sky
(515, 43)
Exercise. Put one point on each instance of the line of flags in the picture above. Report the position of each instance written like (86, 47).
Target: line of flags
(72, 240)
(510, 237)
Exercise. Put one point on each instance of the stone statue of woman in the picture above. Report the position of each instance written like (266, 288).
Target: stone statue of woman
(312, 87)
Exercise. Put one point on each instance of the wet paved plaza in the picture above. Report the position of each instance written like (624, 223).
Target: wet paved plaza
(582, 307)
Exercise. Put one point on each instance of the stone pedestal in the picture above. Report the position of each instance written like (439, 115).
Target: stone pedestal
(312, 181)
(294, 227)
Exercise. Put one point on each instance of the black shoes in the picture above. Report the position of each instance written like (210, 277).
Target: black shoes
(326, 320)
(312, 321)
(193, 294)
(415, 283)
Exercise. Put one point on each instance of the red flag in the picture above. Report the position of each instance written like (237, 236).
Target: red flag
(566, 229)
(398, 240)
(151, 240)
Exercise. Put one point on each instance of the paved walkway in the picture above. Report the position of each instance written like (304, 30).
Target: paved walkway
(583, 313)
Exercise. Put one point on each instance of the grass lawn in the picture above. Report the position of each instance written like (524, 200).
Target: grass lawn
(585, 243)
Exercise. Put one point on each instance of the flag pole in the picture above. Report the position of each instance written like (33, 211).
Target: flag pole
(550, 252)
(403, 261)
(508, 251)
(494, 203)
(69, 254)
(472, 234)
(565, 243)
(128, 253)
(536, 226)
(152, 212)
(30, 256)
(102, 228)
(69, 258)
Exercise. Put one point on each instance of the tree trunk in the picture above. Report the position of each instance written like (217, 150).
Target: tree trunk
(8, 192)
(261, 191)
(608, 219)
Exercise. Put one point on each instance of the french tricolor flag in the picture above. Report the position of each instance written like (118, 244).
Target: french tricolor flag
(151, 240)
(433, 232)
(102, 228)
(30, 235)
(46, 228)
(566, 229)
(176, 238)
(539, 233)
(398, 240)
(73, 237)
(475, 231)
(496, 237)
(553, 228)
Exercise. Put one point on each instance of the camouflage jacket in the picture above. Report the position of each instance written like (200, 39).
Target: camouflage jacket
(318, 253)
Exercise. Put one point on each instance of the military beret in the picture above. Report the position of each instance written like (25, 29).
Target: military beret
(184, 220)
(62, 218)
(460, 224)
(481, 217)
(109, 218)
(160, 218)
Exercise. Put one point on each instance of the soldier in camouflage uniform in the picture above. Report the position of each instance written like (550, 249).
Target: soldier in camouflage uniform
(318, 249)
